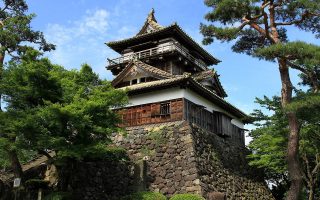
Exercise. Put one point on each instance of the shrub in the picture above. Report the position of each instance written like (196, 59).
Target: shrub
(187, 197)
(145, 196)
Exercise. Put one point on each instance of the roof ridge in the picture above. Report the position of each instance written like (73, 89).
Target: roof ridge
(155, 68)
(151, 21)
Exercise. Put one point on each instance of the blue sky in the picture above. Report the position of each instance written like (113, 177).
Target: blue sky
(79, 28)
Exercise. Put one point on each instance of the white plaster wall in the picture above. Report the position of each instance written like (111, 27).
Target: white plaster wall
(175, 93)
(139, 75)
(156, 96)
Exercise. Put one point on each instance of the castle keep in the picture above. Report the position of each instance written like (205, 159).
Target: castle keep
(178, 119)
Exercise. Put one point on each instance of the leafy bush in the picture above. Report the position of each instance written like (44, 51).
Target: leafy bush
(145, 196)
(58, 196)
(187, 197)
(107, 153)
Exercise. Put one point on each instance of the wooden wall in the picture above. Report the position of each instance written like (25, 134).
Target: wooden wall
(151, 113)
(181, 109)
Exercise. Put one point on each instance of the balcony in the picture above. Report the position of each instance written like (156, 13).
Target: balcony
(157, 51)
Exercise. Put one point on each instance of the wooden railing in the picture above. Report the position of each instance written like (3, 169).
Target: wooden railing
(158, 51)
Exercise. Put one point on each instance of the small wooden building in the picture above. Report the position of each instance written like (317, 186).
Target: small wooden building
(168, 78)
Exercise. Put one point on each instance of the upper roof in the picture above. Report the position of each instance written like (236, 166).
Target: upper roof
(133, 67)
(151, 30)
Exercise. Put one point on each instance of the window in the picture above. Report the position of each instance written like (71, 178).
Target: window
(165, 108)
(142, 80)
(134, 81)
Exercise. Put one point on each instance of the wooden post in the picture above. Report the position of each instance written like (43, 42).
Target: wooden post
(39, 194)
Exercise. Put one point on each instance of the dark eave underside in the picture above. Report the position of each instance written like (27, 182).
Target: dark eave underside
(171, 31)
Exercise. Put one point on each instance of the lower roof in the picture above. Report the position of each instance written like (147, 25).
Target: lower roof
(187, 81)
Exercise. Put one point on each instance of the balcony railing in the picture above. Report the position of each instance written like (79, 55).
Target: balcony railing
(158, 51)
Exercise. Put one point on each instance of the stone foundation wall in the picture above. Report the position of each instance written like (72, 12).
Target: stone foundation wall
(222, 167)
(182, 158)
(100, 180)
(171, 160)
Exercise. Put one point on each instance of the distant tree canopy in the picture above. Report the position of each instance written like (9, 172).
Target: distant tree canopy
(51, 108)
(259, 29)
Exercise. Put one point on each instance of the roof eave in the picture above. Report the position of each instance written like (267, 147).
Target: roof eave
(175, 27)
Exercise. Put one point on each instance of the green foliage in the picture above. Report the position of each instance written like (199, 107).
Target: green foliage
(304, 53)
(186, 197)
(58, 196)
(107, 153)
(270, 137)
(15, 29)
(48, 107)
(145, 196)
(157, 136)
(146, 151)
(259, 29)
(224, 34)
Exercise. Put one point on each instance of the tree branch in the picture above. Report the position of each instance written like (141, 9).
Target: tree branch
(309, 73)
(297, 67)
(2, 22)
(303, 17)
(309, 173)
(243, 25)
(274, 33)
(5, 7)
(317, 167)
(265, 19)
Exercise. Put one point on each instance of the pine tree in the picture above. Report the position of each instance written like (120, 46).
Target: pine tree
(16, 32)
(261, 32)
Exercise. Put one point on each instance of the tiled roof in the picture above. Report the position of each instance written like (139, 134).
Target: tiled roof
(174, 28)
(210, 74)
(158, 73)
(153, 84)
(204, 75)
(35, 162)
(152, 69)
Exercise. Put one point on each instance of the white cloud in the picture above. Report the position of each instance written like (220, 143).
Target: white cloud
(95, 21)
(81, 41)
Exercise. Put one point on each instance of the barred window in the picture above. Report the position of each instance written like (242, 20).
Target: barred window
(165, 108)
(134, 81)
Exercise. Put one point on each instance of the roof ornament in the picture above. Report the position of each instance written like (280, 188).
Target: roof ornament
(151, 17)
(150, 24)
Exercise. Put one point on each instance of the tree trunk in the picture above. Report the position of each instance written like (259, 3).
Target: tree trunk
(1, 70)
(293, 139)
(15, 164)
